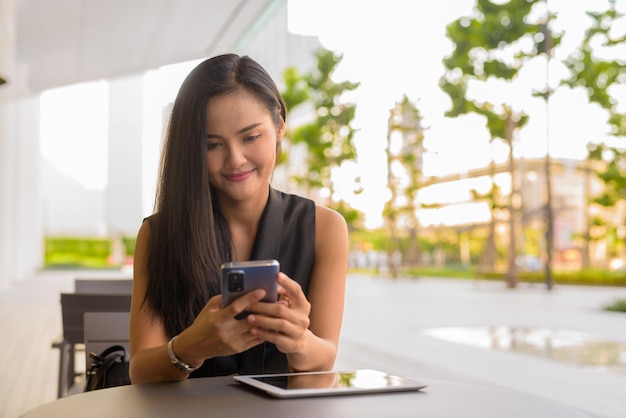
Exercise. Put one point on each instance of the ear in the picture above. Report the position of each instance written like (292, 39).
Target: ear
(280, 131)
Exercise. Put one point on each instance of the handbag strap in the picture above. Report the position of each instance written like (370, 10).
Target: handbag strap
(108, 351)
(102, 363)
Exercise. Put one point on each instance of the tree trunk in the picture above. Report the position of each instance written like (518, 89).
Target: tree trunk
(512, 275)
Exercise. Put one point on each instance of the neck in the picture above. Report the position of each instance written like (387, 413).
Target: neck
(244, 212)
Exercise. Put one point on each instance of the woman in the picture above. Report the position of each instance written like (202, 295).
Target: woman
(215, 204)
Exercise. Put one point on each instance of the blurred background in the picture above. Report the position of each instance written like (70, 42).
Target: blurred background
(462, 137)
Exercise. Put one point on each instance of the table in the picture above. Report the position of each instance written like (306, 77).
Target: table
(221, 397)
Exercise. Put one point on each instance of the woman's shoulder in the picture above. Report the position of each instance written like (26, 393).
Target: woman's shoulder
(324, 216)
(150, 218)
(329, 218)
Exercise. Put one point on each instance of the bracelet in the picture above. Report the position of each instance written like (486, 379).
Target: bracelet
(180, 365)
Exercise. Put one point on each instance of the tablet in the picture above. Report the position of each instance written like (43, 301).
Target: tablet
(293, 385)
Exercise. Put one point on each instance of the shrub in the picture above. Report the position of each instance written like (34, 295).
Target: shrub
(618, 306)
(83, 252)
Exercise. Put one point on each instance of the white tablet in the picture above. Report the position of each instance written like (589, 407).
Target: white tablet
(293, 385)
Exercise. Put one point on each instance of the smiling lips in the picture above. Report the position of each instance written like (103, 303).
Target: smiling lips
(240, 176)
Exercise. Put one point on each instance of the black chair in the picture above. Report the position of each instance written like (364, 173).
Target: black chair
(101, 286)
(73, 308)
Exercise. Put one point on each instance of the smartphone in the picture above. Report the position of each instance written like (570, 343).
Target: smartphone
(240, 277)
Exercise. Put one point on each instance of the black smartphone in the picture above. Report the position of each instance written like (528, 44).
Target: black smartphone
(240, 277)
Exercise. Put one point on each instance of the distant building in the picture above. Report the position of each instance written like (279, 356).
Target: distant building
(573, 186)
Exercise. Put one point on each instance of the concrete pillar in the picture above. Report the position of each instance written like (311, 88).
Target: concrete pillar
(21, 245)
(29, 240)
(124, 190)
(7, 194)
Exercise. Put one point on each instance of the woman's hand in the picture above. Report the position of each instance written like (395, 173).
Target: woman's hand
(215, 331)
(285, 323)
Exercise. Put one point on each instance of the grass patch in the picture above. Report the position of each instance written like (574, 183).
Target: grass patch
(590, 277)
(618, 306)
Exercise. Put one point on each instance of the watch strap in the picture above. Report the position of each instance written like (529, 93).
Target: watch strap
(178, 363)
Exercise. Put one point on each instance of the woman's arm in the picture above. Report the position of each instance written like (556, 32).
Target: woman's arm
(149, 359)
(214, 332)
(307, 328)
(326, 293)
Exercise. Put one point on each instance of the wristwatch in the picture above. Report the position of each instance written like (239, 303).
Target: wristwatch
(178, 363)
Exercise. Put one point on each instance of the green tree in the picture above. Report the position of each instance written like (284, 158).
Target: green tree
(494, 43)
(493, 197)
(405, 139)
(328, 137)
(598, 76)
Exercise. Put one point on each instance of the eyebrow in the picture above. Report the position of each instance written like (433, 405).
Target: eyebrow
(242, 130)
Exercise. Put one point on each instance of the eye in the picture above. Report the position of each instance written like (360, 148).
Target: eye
(251, 138)
(212, 145)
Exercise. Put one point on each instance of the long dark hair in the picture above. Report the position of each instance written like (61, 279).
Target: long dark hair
(189, 237)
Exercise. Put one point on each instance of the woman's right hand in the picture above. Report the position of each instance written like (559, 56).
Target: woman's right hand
(215, 332)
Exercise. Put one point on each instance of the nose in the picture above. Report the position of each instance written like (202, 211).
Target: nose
(235, 157)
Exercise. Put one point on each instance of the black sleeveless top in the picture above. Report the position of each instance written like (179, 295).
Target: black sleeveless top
(287, 233)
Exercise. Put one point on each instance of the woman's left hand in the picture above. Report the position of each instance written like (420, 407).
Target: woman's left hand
(286, 322)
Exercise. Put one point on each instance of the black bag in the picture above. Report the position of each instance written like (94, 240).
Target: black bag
(108, 369)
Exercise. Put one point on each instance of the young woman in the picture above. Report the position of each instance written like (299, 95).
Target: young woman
(215, 204)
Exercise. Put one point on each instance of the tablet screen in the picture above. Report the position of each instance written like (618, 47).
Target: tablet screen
(353, 379)
(328, 383)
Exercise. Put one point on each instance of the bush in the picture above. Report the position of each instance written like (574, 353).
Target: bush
(83, 252)
(618, 306)
(129, 245)
(581, 277)
(76, 252)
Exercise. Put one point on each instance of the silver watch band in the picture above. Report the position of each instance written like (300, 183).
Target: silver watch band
(180, 365)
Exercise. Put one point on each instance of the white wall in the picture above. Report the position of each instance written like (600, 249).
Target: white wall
(123, 203)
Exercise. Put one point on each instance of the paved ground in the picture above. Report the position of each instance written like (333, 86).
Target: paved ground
(386, 326)
(387, 323)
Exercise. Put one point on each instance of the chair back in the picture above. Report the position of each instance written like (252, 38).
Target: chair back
(104, 329)
(75, 305)
(106, 286)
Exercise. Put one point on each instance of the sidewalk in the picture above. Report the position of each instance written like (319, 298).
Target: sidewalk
(385, 325)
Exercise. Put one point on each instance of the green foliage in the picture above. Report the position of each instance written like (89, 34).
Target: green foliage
(532, 241)
(353, 217)
(581, 277)
(68, 252)
(493, 196)
(82, 252)
(328, 138)
(296, 88)
(598, 76)
(129, 245)
(595, 74)
(478, 44)
(405, 123)
(618, 306)
(379, 240)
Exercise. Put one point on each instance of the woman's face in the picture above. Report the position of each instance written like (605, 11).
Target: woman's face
(241, 145)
